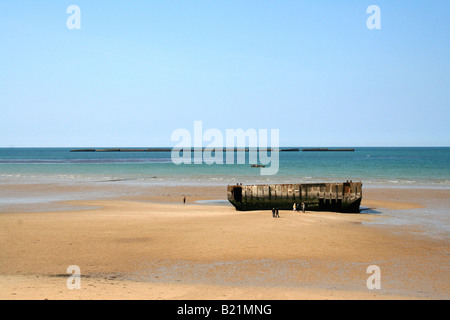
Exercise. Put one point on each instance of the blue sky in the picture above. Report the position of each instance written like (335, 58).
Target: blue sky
(138, 70)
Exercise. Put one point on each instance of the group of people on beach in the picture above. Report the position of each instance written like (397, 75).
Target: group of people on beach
(297, 207)
(275, 213)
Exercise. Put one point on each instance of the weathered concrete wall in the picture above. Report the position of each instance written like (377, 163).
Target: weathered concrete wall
(344, 197)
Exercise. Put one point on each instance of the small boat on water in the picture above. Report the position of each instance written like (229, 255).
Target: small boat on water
(338, 197)
(258, 166)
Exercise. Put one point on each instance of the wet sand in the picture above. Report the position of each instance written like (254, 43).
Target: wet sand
(151, 246)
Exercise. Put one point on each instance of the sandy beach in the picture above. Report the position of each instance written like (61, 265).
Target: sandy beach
(152, 246)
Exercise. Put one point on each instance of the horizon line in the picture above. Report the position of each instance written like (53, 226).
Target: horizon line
(168, 147)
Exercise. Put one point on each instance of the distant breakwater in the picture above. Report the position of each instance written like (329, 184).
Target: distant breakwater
(169, 149)
(326, 149)
(209, 149)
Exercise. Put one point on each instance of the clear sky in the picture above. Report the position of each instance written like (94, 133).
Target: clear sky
(138, 70)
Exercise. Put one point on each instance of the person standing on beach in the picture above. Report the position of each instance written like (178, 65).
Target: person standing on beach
(184, 200)
(273, 212)
(295, 207)
(278, 214)
(303, 207)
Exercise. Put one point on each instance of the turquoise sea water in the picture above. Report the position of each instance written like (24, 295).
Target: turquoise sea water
(113, 174)
(405, 167)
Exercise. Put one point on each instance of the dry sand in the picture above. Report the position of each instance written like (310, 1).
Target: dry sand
(154, 247)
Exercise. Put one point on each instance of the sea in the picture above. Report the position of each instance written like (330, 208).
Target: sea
(375, 167)
(380, 167)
